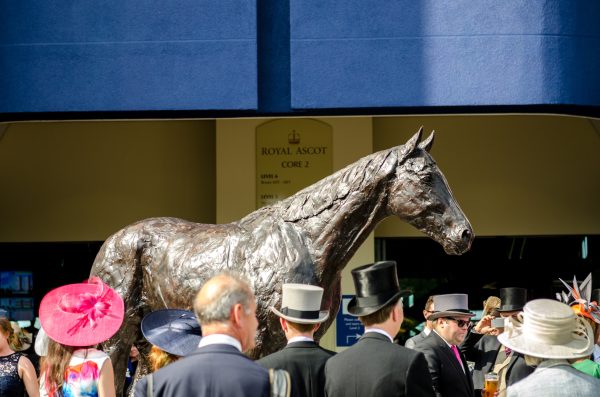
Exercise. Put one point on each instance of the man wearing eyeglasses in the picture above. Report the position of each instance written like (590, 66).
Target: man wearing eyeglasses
(448, 368)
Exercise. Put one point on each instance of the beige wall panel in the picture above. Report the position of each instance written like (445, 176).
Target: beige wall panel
(513, 174)
(82, 181)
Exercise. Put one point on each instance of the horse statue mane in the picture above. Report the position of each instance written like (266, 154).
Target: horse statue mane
(307, 238)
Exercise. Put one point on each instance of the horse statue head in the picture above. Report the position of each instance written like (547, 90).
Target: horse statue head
(419, 194)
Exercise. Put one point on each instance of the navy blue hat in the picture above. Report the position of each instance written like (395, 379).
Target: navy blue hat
(175, 331)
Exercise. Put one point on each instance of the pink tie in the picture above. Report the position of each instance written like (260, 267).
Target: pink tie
(457, 354)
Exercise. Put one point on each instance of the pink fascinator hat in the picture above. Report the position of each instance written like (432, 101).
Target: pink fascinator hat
(82, 314)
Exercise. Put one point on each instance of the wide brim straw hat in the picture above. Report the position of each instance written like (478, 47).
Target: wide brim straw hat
(175, 331)
(450, 305)
(83, 314)
(548, 329)
(301, 304)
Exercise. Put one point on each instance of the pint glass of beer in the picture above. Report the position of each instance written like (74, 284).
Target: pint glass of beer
(491, 384)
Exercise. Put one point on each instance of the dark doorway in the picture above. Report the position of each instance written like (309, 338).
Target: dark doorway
(30, 270)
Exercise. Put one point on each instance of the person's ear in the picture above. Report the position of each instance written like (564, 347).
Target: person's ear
(284, 324)
(236, 314)
(316, 327)
(395, 313)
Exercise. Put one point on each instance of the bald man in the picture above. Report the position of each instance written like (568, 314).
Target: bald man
(226, 308)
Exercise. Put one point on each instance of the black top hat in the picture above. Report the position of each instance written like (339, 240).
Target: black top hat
(512, 299)
(376, 286)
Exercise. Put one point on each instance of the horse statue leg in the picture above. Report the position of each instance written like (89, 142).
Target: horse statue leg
(331, 301)
(118, 265)
(119, 346)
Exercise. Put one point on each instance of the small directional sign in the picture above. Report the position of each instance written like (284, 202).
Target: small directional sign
(348, 328)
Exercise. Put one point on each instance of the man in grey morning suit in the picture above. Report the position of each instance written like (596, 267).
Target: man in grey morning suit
(300, 317)
(375, 366)
(550, 335)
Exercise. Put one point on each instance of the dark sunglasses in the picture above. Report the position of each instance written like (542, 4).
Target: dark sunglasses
(460, 323)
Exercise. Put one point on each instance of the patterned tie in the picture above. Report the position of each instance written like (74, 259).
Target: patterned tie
(507, 351)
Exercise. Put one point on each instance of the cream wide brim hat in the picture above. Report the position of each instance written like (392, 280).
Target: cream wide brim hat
(548, 329)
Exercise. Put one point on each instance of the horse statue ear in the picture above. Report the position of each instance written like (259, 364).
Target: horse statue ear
(410, 145)
(427, 143)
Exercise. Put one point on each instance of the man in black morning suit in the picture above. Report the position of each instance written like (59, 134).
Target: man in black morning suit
(375, 366)
(447, 366)
(483, 348)
(300, 316)
(226, 308)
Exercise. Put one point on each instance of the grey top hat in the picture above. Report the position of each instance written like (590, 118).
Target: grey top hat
(450, 305)
(175, 331)
(301, 303)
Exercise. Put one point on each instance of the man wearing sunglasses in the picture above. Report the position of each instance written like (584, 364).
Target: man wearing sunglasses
(447, 366)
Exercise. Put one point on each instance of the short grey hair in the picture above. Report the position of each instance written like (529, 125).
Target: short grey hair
(218, 310)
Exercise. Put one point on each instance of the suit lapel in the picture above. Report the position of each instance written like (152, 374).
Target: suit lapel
(449, 354)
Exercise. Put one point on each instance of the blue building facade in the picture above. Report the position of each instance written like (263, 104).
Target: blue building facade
(224, 58)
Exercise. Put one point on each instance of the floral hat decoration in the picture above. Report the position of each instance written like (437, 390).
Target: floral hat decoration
(82, 314)
(579, 298)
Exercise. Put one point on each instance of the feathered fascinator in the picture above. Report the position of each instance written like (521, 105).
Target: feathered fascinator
(579, 298)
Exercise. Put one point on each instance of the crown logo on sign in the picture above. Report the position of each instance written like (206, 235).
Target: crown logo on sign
(293, 138)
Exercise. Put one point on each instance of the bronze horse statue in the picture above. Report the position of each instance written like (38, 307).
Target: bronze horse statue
(307, 238)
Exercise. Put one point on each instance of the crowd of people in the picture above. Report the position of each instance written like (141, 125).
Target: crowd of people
(518, 348)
